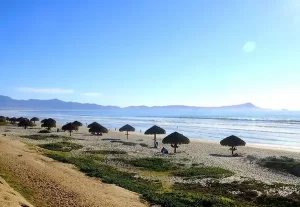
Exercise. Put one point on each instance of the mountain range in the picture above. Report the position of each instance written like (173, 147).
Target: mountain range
(35, 104)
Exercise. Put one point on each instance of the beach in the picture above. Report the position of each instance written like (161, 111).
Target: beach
(198, 151)
(138, 145)
(51, 183)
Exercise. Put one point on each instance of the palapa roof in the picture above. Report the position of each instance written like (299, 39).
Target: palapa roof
(127, 128)
(98, 129)
(34, 119)
(176, 138)
(155, 130)
(77, 123)
(69, 127)
(233, 141)
(2, 118)
(93, 124)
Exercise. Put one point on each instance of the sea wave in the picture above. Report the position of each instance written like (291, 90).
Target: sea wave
(253, 119)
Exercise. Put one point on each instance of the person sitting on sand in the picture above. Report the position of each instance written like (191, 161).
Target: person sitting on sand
(164, 151)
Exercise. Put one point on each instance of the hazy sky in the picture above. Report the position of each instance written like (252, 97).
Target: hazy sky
(152, 52)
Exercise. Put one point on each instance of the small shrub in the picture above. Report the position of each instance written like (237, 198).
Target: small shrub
(61, 146)
(154, 164)
(196, 164)
(203, 172)
(282, 164)
(105, 152)
(129, 143)
(3, 123)
(44, 137)
(150, 190)
(144, 145)
(124, 143)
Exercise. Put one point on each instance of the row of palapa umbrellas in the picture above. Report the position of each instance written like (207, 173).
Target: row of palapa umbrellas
(176, 138)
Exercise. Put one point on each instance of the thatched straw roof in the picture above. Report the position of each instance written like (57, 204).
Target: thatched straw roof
(233, 141)
(69, 127)
(34, 119)
(93, 124)
(98, 129)
(2, 119)
(20, 118)
(155, 130)
(77, 123)
(13, 119)
(127, 128)
(176, 138)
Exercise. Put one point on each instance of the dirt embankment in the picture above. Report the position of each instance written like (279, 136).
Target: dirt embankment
(47, 183)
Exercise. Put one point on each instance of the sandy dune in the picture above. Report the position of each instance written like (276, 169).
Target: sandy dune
(57, 184)
(10, 198)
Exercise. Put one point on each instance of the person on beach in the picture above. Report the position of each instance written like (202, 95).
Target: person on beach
(164, 151)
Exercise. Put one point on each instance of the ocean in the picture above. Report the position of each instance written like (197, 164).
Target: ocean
(278, 128)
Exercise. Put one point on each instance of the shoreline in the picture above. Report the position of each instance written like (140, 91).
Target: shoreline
(203, 140)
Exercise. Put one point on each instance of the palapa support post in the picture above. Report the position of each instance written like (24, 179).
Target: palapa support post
(127, 128)
(154, 140)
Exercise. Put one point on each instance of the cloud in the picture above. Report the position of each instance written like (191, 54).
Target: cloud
(92, 94)
(249, 46)
(45, 90)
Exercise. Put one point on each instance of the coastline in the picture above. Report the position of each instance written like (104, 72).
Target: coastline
(203, 140)
(22, 146)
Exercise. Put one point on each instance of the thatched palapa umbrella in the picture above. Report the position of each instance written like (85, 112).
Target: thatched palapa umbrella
(97, 129)
(13, 120)
(155, 130)
(232, 141)
(2, 119)
(127, 128)
(175, 139)
(34, 119)
(92, 124)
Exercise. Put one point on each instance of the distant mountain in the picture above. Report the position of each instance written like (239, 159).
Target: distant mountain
(55, 104)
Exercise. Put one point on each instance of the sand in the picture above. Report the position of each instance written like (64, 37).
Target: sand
(72, 188)
(59, 184)
(10, 198)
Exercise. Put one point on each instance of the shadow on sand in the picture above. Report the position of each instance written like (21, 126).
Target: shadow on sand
(110, 139)
(124, 143)
(219, 155)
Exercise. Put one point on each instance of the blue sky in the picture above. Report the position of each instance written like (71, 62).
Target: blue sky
(202, 53)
